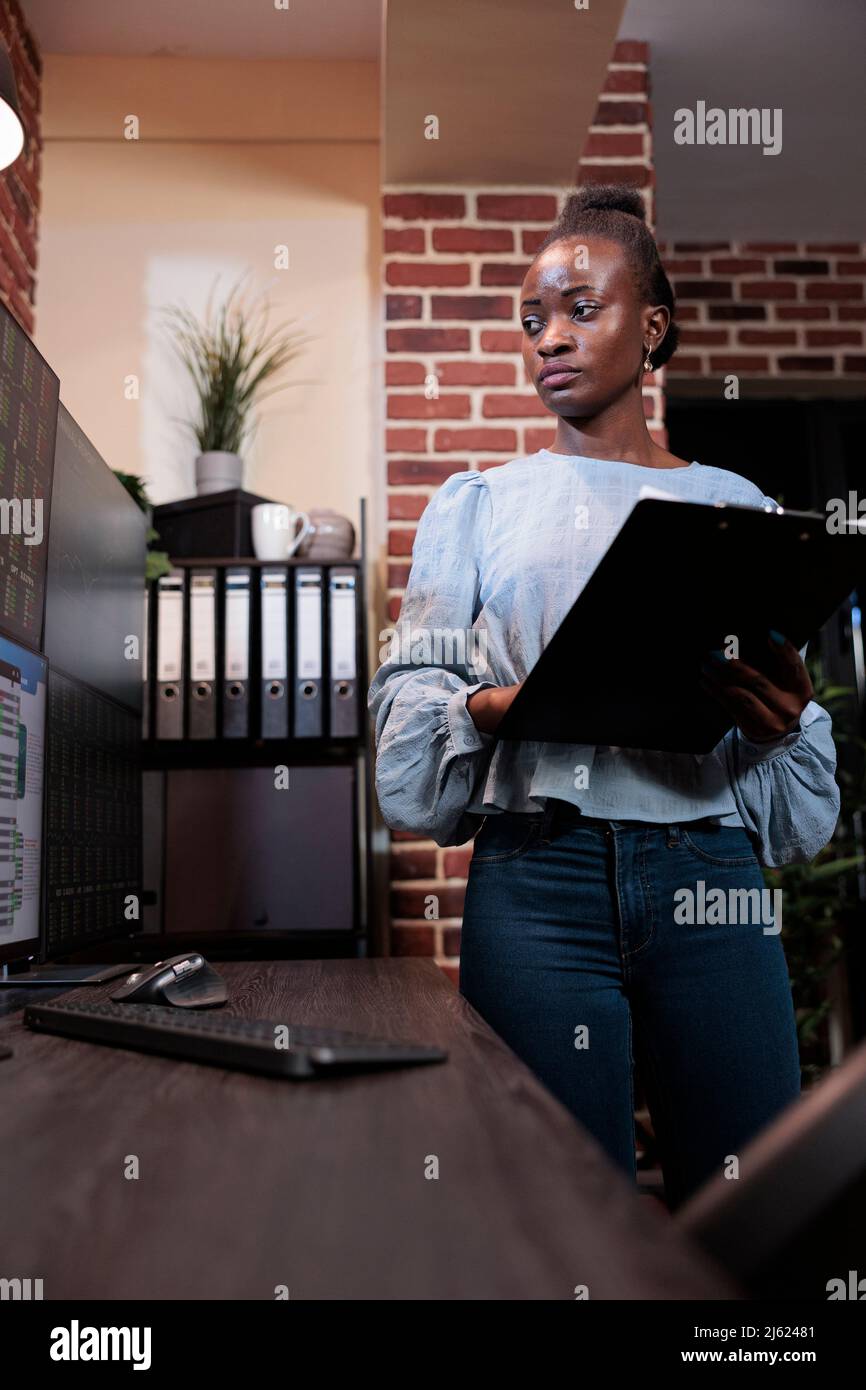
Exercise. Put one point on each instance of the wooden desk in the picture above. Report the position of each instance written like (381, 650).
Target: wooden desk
(247, 1183)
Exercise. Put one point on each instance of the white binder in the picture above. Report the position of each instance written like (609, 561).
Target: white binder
(145, 675)
(274, 664)
(342, 619)
(169, 655)
(201, 701)
(236, 661)
(308, 653)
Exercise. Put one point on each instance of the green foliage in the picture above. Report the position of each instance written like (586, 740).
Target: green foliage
(820, 900)
(230, 355)
(157, 561)
(135, 486)
(156, 565)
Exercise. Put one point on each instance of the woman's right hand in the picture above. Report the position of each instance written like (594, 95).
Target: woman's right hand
(488, 706)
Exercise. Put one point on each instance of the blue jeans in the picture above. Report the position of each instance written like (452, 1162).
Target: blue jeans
(577, 953)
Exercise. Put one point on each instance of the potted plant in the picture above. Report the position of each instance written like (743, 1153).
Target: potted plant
(230, 354)
(821, 903)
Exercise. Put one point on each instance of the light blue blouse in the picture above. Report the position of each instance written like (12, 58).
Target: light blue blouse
(499, 558)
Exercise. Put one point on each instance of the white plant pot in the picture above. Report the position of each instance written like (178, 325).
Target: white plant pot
(217, 471)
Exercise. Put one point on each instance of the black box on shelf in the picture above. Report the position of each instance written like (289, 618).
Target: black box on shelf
(214, 526)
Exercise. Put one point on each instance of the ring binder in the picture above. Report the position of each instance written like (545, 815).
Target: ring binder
(236, 664)
(201, 680)
(274, 654)
(308, 653)
(145, 667)
(169, 655)
(342, 621)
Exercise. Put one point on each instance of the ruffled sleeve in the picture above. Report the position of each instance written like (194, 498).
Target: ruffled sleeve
(429, 753)
(786, 790)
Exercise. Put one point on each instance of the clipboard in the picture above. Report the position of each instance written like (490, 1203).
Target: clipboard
(679, 578)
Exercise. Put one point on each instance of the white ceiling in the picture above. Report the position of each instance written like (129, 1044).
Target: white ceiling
(513, 97)
(343, 29)
(802, 57)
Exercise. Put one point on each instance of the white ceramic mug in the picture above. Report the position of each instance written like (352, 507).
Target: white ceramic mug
(273, 527)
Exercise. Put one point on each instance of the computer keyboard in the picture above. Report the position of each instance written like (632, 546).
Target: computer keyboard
(263, 1045)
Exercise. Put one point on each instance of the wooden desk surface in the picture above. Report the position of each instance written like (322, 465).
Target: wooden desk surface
(247, 1183)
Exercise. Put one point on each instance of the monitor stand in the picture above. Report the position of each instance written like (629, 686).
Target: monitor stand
(66, 975)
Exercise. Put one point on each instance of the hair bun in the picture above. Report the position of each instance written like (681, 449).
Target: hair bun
(610, 197)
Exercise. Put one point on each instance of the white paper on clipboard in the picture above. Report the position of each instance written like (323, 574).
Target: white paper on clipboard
(649, 491)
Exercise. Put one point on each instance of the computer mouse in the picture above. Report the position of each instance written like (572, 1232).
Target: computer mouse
(186, 981)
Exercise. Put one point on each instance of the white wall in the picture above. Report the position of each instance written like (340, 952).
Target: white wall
(233, 159)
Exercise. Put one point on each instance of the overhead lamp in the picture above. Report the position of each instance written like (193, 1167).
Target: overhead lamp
(11, 124)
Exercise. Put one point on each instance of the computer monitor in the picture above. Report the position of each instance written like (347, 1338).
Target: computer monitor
(93, 818)
(792, 1224)
(29, 396)
(94, 603)
(94, 641)
(22, 772)
(72, 584)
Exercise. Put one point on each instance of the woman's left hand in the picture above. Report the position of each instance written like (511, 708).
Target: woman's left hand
(763, 707)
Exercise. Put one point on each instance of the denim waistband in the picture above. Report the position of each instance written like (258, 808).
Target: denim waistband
(557, 812)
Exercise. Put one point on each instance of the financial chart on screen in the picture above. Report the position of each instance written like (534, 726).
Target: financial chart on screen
(29, 398)
(22, 767)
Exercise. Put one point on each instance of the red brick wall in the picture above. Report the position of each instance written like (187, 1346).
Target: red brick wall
(454, 261)
(19, 184)
(769, 309)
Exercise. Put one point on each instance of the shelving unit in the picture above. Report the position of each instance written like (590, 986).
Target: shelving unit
(168, 763)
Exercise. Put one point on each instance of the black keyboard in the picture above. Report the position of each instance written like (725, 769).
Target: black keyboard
(248, 1044)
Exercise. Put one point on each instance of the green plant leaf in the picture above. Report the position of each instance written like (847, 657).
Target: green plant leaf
(157, 564)
(230, 354)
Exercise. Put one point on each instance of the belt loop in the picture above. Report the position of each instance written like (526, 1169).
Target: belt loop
(673, 836)
(548, 816)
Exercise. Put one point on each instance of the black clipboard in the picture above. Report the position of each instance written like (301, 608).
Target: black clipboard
(623, 667)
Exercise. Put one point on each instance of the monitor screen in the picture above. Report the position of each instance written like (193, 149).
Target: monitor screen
(96, 557)
(29, 394)
(22, 762)
(92, 817)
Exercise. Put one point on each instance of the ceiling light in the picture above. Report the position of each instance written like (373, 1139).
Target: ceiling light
(11, 125)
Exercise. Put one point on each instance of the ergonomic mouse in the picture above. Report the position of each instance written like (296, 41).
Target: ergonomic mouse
(186, 981)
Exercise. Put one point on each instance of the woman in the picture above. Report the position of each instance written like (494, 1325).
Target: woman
(572, 947)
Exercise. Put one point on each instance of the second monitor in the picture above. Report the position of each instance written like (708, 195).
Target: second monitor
(94, 637)
(94, 602)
